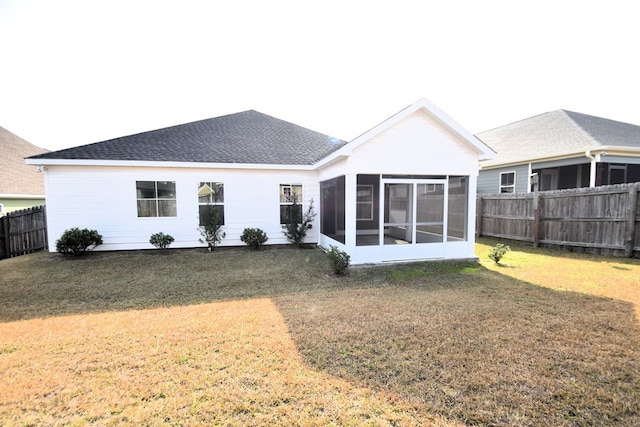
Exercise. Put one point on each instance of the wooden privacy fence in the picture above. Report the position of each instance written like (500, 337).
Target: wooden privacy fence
(23, 232)
(598, 220)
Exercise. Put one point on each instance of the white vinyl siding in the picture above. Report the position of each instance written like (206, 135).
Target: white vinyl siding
(104, 199)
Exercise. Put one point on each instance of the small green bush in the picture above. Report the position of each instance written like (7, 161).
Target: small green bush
(338, 259)
(498, 251)
(296, 232)
(161, 240)
(75, 241)
(254, 237)
(211, 229)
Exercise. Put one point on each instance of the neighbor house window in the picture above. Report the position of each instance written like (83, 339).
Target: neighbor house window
(156, 198)
(507, 182)
(211, 202)
(364, 203)
(290, 203)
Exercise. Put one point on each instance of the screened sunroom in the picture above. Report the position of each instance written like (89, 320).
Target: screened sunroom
(403, 191)
(397, 217)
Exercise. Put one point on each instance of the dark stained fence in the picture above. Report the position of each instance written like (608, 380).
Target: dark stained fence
(603, 220)
(23, 232)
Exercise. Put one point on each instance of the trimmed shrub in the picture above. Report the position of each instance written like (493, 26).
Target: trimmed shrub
(338, 259)
(75, 241)
(211, 229)
(296, 232)
(498, 251)
(161, 240)
(254, 237)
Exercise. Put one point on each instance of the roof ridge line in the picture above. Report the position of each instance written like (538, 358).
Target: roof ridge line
(582, 130)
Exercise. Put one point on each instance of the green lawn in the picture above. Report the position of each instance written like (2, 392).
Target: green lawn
(271, 337)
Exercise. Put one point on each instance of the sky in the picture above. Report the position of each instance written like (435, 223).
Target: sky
(74, 72)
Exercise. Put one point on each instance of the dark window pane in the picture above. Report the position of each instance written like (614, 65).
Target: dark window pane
(507, 178)
(290, 213)
(208, 213)
(365, 193)
(166, 190)
(147, 208)
(167, 208)
(145, 189)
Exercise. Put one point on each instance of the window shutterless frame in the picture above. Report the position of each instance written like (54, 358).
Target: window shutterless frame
(507, 183)
(156, 199)
(290, 203)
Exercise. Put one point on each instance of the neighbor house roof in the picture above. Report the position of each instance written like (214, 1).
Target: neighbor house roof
(247, 137)
(557, 133)
(17, 178)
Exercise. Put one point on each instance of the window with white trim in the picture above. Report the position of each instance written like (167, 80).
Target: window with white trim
(364, 203)
(211, 202)
(156, 199)
(508, 182)
(290, 203)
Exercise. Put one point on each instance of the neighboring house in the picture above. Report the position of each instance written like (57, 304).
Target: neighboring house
(21, 186)
(565, 149)
(404, 190)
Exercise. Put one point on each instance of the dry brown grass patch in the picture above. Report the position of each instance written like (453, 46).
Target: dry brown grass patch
(272, 338)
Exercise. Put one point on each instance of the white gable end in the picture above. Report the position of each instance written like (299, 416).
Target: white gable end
(418, 144)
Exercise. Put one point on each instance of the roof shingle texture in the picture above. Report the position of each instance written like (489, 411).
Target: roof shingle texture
(245, 137)
(557, 132)
(16, 177)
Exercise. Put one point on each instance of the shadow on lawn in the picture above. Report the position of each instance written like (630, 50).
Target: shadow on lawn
(43, 285)
(478, 347)
(455, 340)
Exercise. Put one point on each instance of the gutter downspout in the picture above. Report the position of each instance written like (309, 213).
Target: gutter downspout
(592, 172)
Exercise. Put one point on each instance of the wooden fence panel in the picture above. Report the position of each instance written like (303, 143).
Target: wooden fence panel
(603, 219)
(507, 217)
(23, 232)
(4, 237)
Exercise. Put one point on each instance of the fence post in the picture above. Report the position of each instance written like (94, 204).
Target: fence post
(536, 210)
(631, 220)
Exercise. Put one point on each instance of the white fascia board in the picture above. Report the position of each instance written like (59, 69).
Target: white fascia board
(147, 164)
(484, 151)
(559, 156)
(610, 149)
(21, 196)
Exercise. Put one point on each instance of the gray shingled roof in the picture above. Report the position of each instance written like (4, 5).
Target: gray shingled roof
(246, 137)
(16, 177)
(554, 133)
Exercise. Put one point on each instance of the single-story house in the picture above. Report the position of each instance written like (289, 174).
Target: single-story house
(21, 186)
(565, 149)
(404, 190)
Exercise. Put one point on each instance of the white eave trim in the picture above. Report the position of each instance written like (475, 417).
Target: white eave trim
(484, 151)
(595, 151)
(155, 164)
(21, 196)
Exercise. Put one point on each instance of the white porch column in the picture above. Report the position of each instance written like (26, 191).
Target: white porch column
(350, 190)
(592, 172)
(471, 211)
